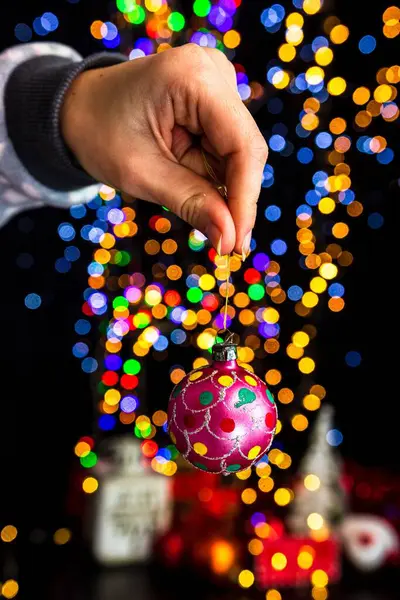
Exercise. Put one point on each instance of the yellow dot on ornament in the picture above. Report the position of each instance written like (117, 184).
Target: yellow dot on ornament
(200, 448)
(196, 375)
(250, 380)
(225, 380)
(173, 438)
(254, 452)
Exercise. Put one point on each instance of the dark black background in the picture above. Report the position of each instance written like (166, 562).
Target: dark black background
(45, 397)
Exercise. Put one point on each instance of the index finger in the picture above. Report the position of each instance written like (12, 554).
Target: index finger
(233, 132)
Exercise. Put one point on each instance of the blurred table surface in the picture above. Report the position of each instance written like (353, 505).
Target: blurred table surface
(141, 585)
(78, 581)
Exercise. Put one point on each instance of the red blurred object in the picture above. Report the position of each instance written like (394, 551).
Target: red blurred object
(172, 298)
(129, 382)
(203, 534)
(172, 547)
(252, 276)
(86, 309)
(375, 491)
(212, 254)
(149, 448)
(326, 556)
(186, 485)
(110, 378)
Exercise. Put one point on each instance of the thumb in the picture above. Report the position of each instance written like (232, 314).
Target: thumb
(195, 200)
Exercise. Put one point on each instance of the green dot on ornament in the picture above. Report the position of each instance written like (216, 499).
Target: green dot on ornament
(200, 466)
(206, 398)
(245, 397)
(233, 468)
(270, 397)
(177, 390)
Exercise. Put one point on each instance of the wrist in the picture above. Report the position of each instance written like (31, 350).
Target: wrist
(76, 116)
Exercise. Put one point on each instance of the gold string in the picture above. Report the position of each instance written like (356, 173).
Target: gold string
(224, 193)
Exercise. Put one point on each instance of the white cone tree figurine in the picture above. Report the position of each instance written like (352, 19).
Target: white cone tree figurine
(319, 500)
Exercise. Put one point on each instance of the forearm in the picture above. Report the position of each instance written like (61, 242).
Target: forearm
(36, 167)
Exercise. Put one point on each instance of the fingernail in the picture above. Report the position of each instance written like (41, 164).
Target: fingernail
(215, 237)
(246, 246)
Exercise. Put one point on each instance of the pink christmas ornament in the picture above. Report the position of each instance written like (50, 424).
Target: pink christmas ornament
(222, 418)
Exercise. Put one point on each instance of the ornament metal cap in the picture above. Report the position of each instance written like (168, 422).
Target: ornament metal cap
(227, 350)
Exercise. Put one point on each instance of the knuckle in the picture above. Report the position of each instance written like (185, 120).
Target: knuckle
(192, 208)
(259, 148)
(193, 52)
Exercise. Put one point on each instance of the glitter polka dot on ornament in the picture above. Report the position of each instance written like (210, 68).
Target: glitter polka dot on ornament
(222, 418)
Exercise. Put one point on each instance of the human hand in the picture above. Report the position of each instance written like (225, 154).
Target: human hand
(135, 126)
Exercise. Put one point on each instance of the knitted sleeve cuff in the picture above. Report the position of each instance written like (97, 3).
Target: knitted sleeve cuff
(34, 95)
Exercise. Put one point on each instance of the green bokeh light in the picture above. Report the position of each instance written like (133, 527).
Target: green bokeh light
(137, 15)
(120, 301)
(194, 295)
(88, 461)
(176, 21)
(122, 258)
(142, 320)
(201, 8)
(256, 291)
(132, 366)
(126, 6)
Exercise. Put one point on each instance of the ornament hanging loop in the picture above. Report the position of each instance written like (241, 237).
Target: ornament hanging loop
(227, 337)
(227, 349)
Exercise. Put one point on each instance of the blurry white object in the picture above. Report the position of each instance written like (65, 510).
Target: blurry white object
(320, 461)
(368, 541)
(132, 506)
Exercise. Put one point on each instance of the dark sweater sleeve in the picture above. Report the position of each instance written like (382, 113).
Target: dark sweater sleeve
(33, 98)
